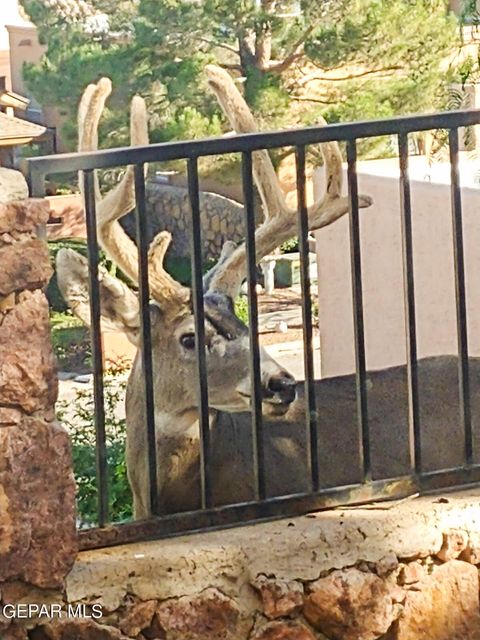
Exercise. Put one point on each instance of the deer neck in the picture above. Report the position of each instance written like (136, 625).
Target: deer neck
(178, 440)
(178, 456)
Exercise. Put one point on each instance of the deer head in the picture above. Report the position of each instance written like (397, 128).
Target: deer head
(172, 320)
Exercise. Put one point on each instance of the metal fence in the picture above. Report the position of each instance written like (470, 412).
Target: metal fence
(318, 496)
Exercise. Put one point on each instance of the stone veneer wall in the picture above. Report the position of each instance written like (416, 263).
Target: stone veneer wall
(38, 540)
(405, 571)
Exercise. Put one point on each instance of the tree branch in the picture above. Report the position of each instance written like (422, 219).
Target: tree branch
(318, 75)
(231, 66)
(221, 45)
(297, 52)
(316, 100)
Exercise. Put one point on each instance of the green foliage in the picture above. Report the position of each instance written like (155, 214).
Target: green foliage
(77, 416)
(266, 94)
(470, 12)
(386, 54)
(71, 342)
(289, 246)
(241, 308)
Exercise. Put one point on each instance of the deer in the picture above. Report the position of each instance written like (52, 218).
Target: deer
(171, 314)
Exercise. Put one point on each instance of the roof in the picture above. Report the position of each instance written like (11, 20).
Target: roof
(12, 99)
(16, 131)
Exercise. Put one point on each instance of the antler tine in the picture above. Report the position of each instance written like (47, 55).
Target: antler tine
(121, 199)
(242, 121)
(280, 222)
(90, 109)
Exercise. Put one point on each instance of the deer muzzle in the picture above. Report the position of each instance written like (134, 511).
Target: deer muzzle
(280, 391)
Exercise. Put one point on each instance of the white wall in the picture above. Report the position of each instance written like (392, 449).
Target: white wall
(383, 276)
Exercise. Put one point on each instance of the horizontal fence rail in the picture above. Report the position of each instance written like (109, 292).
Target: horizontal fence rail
(319, 495)
(164, 151)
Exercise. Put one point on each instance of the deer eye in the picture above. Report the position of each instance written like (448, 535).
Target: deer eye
(188, 341)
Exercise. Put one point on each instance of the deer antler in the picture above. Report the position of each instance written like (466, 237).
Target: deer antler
(121, 200)
(280, 222)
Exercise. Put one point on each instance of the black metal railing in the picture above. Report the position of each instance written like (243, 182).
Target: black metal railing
(318, 496)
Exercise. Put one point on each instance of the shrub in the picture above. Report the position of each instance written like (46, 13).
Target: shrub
(241, 308)
(77, 416)
(71, 342)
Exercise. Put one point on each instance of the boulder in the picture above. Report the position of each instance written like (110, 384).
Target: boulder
(210, 614)
(350, 604)
(283, 630)
(38, 539)
(13, 185)
(279, 597)
(443, 606)
(25, 265)
(28, 377)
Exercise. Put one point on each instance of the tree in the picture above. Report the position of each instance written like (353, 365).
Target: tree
(345, 60)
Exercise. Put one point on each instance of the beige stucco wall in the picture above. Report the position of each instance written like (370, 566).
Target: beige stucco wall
(5, 67)
(24, 47)
(383, 277)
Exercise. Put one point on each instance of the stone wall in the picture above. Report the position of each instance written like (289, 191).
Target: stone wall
(168, 206)
(391, 571)
(38, 542)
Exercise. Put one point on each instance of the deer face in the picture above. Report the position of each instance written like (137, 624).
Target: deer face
(227, 349)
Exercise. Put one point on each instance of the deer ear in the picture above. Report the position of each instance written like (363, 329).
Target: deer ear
(119, 305)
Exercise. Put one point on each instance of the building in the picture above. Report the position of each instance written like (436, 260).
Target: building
(15, 132)
(19, 44)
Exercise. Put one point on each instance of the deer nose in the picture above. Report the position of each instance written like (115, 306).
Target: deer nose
(282, 387)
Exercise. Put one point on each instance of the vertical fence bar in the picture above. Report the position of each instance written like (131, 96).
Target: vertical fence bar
(257, 421)
(357, 295)
(88, 179)
(459, 267)
(141, 222)
(307, 319)
(415, 449)
(198, 306)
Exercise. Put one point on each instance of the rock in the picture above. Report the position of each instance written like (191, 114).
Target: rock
(471, 553)
(454, 542)
(351, 605)
(138, 617)
(279, 597)
(9, 417)
(445, 606)
(14, 632)
(20, 592)
(23, 216)
(28, 372)
(25, 265)
(80, 629)
(209, 615)
(13, 186)
(411, 573)
(38, 539)
(6, 238)
(283, 631)
(386, 564)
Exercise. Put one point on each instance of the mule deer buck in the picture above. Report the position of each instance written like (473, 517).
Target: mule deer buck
(172, 320)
